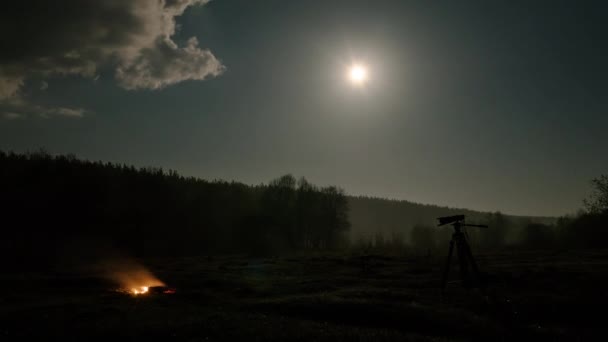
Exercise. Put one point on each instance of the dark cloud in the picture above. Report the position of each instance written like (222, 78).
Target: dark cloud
(44, 38)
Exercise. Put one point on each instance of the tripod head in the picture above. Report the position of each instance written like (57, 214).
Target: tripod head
(457, 221)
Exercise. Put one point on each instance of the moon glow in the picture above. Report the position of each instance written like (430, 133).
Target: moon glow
(357, 74)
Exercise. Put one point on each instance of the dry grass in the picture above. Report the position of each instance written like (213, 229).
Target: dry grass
(541, 296)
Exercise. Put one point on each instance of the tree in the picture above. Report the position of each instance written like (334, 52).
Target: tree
(597, 202)
(334, 221)
(307, 212)
(279, 204)
(496, 234)
(48, 201)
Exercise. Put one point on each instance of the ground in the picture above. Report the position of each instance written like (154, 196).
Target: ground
(537, 295)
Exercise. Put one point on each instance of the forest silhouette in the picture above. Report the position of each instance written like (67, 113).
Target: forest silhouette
(50, 203)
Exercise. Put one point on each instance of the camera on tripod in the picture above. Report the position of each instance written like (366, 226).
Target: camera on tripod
(463, 251)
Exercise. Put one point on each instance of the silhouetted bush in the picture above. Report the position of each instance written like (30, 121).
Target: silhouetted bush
(597, 203)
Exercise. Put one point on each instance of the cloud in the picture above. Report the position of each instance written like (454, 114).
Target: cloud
(69, 112)
(41, 38)
(12, 116)
(166, 64)
(9, 85)
(17, 108)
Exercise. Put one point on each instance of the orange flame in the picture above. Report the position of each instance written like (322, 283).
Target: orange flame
(131, 276)
(140, 290)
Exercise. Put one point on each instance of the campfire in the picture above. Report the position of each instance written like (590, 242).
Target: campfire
(132, 278)
(143, 290)
(140, 290)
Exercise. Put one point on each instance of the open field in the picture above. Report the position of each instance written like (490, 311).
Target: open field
(540, 295)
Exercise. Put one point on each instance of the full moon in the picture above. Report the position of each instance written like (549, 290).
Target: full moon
(357, 74)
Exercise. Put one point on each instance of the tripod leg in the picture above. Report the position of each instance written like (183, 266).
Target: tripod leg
(446, 271)
(463, 261)
(476, 274)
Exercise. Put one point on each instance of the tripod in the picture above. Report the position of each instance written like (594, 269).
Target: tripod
(469, 273)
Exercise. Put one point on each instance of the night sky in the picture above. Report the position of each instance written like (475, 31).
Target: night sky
(488, 105)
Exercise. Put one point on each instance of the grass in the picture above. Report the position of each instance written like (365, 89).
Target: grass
(532, 295)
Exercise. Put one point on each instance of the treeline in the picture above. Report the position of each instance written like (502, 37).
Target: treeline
(53, 205)
(586, 230)
(49, 204)
(582, 231)
(382, 224)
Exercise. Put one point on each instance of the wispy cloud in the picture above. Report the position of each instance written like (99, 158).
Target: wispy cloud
(68, 112)
(12, 116)
(15, 108)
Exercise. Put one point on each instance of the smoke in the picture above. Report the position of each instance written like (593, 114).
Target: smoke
(99, 257)
(127, 273)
